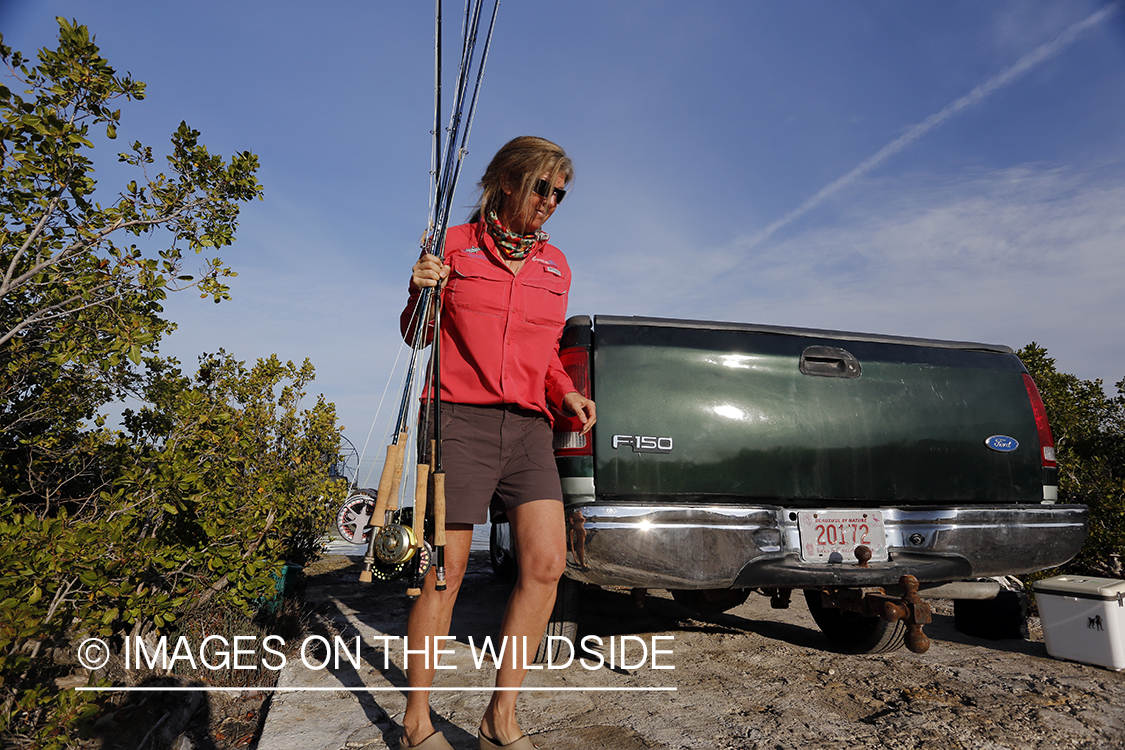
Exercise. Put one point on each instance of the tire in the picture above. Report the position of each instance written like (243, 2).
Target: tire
(710, 601)
(500, 552)
(562, 625)
(854, 632)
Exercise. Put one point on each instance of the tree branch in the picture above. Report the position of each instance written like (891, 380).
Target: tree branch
(40, 316)
(27, 243)
(221, 584)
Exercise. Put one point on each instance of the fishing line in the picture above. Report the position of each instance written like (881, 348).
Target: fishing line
(378, 410)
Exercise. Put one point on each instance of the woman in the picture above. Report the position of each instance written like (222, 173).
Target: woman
(504, 292)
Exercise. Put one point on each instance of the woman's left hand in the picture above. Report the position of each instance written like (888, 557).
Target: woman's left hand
(583, 408)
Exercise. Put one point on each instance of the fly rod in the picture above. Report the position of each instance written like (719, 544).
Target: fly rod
(446, 188)
(392, 544)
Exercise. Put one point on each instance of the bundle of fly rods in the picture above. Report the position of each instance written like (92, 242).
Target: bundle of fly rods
(391, 543)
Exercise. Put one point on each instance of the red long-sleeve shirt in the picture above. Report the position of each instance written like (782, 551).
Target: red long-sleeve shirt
(499, 330)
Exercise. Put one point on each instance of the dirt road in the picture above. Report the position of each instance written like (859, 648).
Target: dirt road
(750, 678)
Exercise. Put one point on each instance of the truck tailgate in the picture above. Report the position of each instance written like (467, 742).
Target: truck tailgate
(727, 412)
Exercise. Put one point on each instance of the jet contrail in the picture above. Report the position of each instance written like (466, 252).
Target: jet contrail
(1006, 76)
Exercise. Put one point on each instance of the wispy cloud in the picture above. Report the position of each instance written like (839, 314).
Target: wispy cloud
(1008, 75)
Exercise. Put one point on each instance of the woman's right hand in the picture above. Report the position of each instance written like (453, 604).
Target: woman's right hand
(428, 271)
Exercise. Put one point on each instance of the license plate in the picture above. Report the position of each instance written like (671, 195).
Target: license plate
(831, 536)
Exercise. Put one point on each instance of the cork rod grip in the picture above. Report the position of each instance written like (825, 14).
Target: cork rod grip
(396, 477)
(439, 508)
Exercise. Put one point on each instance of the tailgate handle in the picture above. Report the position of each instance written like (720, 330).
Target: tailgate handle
(830, 362)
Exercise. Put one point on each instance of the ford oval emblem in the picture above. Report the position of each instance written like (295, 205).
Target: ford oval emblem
(1002, 443)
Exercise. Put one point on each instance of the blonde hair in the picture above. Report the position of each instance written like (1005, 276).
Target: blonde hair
(518, 165)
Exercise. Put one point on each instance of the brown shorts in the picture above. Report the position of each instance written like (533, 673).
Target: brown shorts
(495, 456)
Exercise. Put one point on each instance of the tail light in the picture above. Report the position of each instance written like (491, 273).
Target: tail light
(1046, 441)
(569, 440)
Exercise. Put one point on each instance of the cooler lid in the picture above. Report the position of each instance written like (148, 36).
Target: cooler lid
(1082, 587)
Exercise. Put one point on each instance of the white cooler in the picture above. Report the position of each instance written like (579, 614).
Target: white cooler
(1083, 619)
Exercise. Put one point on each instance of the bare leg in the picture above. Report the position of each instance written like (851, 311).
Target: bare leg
(430, 617)
(540, 542)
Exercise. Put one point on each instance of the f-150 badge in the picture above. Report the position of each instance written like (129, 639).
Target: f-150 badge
(643, 443)
(1002, 443)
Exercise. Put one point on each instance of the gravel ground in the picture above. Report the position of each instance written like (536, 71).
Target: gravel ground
(753, 677)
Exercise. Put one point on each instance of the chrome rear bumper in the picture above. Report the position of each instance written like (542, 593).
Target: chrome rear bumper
(723, 546)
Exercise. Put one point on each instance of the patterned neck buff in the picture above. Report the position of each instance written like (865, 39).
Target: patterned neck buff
(514, 246)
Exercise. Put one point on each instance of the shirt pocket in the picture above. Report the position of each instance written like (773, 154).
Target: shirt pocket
(545, 300)
(478, 288)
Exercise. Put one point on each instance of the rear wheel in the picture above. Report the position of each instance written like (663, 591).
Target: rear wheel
(559, 639)
(853, 632)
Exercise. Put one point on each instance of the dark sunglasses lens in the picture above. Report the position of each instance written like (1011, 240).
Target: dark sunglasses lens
(543, 190)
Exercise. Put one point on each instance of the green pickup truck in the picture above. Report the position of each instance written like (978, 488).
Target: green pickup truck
(871, 472)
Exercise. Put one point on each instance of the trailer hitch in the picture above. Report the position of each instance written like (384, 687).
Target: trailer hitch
(909, 608)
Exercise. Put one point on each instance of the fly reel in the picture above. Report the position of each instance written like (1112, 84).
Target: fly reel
(416, 567)
(398, 552)
(395, 543)
(354, 517)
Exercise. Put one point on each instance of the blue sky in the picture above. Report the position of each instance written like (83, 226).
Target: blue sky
(703, 133)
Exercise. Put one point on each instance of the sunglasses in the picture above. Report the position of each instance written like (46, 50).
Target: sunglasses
(543, 190)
